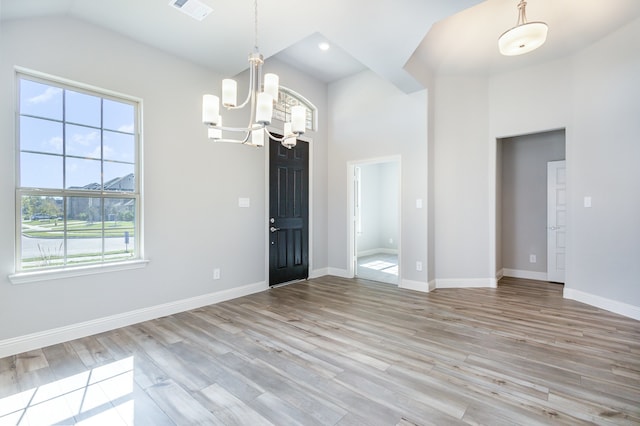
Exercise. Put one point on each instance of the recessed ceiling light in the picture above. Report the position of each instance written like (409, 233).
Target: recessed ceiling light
(324, 46)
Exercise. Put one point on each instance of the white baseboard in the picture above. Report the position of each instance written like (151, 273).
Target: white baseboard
(337, 272)
(432, 285)
(377, 251)
(415, 285)
(499, 274)
(465, 282)
(529, 275)
(614, 306)
(317, 273)
(42, 339)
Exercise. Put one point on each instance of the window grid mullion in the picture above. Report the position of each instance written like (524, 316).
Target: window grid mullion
(102, 252)
(65, 239)
(65, 195)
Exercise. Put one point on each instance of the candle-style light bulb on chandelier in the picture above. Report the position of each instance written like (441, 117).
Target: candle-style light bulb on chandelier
(261, 98)
(524, 37)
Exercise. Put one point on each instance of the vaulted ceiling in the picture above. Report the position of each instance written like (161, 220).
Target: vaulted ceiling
(381, 35)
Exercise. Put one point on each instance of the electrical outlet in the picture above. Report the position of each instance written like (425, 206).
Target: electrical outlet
(418, 266)
(216, 274)
(390, 240)
(532, 258)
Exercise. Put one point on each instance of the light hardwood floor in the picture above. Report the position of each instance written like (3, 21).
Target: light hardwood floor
(333, 351)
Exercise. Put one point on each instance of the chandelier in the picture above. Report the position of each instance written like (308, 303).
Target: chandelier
(524, 37)
(261, 98)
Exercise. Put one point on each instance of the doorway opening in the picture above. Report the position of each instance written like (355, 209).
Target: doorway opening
(375, 224)
(529, 238)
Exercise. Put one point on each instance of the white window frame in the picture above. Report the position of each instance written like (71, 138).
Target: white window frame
(22, 275)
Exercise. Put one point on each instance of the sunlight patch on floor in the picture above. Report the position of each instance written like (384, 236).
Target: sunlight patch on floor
(381, 265)
(101, 389)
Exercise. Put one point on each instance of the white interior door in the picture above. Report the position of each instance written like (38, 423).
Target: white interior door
(556, 220)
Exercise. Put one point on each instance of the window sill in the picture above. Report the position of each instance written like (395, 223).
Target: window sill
(77, 271)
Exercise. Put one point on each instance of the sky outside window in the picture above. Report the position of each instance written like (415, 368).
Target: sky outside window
(90, 135)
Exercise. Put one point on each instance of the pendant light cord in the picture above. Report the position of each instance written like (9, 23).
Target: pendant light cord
(522, 14)
(255, 23)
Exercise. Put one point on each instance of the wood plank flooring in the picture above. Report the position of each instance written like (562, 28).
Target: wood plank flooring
(333, 351)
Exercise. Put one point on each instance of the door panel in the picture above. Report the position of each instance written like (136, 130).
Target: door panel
(556, 220)
(289, 212)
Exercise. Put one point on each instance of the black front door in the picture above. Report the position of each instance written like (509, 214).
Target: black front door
(288, 212)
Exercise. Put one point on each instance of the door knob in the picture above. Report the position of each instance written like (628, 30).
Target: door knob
(274, 229)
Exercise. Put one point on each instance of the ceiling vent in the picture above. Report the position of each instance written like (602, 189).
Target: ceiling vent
(194, 8)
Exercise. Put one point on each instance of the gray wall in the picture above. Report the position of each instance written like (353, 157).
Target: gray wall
(370, 118)
(524, 197)
(595, 96)
(379, 212)
(389, 200)
(183, 173)
(603, 154)
(462, 176)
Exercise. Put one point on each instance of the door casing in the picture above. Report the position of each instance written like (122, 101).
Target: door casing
(351, 254)
(495, 226)
(267, 224)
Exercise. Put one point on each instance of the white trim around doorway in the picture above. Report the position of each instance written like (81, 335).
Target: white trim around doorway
(312, 273)
(351, 253)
